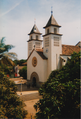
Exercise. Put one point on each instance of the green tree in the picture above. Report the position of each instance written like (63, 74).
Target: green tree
(10, 104)
(4, 50)
(23, 72)
(61, 92)
(20, 62)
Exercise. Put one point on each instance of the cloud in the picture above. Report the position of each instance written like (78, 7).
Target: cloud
(11, 8)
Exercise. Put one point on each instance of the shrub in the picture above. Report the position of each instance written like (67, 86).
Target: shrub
(23, 72)
(61, 92)
(10, 104)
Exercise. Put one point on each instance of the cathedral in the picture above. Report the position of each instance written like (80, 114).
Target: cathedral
(53, 55)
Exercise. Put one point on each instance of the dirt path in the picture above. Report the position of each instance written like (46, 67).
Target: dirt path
(29, 107)
(29, 96)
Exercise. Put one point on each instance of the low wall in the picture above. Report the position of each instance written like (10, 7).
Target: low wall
(25, 88)
(30, 97)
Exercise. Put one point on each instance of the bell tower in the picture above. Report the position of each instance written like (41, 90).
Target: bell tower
(52, 46)
(34, 41)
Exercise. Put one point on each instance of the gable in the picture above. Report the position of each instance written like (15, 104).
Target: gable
(39, 52)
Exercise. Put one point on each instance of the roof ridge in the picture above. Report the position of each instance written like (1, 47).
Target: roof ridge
(30, 54)
(39, 50)
(69, 45)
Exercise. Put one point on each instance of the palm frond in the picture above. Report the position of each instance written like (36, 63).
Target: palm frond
(2, 50)
(7, 61)
(2, 42)
(11, 55)
(8, 47)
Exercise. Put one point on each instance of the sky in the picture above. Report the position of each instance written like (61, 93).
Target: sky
(17, 18)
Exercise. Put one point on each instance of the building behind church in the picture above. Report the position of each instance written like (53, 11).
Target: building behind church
(53, 55)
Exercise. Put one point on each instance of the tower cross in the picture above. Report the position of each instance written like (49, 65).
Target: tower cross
(51, 10)
(34, 21)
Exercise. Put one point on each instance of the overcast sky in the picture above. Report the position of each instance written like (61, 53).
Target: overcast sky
(17, 19)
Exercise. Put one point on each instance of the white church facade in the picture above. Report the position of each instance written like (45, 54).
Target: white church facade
(42, 61)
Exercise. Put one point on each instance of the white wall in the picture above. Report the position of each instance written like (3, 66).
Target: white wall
(53, 53)
(34, 36)
(66, 58)
(47, 54)
(40, 69)
(56, 51)
(33, 44)
(51, 29)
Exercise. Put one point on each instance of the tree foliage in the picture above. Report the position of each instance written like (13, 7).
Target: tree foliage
(4, 50)
(6, 61)
(23, 72)
(61, 92)
(20, 62)
(10, 104)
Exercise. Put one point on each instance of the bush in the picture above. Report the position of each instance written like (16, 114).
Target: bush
(5, 69)
(61, 92)
(20, 62)
(10, 104)
(23, 72)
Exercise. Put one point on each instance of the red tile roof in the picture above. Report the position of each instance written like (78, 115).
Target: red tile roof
(69, 49)
(25, 63)
(66, 50)
(40, 50)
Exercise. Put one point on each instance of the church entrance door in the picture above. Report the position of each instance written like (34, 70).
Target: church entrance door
(34, 82)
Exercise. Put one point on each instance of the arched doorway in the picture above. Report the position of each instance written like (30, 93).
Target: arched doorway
(34, 79)
(34, 82)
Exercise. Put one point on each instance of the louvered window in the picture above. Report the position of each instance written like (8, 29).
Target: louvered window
(56, 41)
(37, 45)
(30, 46)
(46, 42)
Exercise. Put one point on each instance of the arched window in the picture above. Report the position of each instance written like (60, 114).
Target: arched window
(36, 37)
(31, 37)
(47, 31)
(55, 30)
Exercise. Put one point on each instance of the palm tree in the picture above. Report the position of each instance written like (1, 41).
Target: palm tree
(4, 51)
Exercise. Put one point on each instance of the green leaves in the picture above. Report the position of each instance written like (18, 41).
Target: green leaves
(61, 92)
(23, 72)
(10, 104)
(4, 49)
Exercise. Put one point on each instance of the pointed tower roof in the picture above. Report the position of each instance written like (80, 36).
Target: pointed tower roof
(52, 22)
(35, 30)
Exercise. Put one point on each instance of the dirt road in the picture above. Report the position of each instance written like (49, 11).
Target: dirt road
(29, 107)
